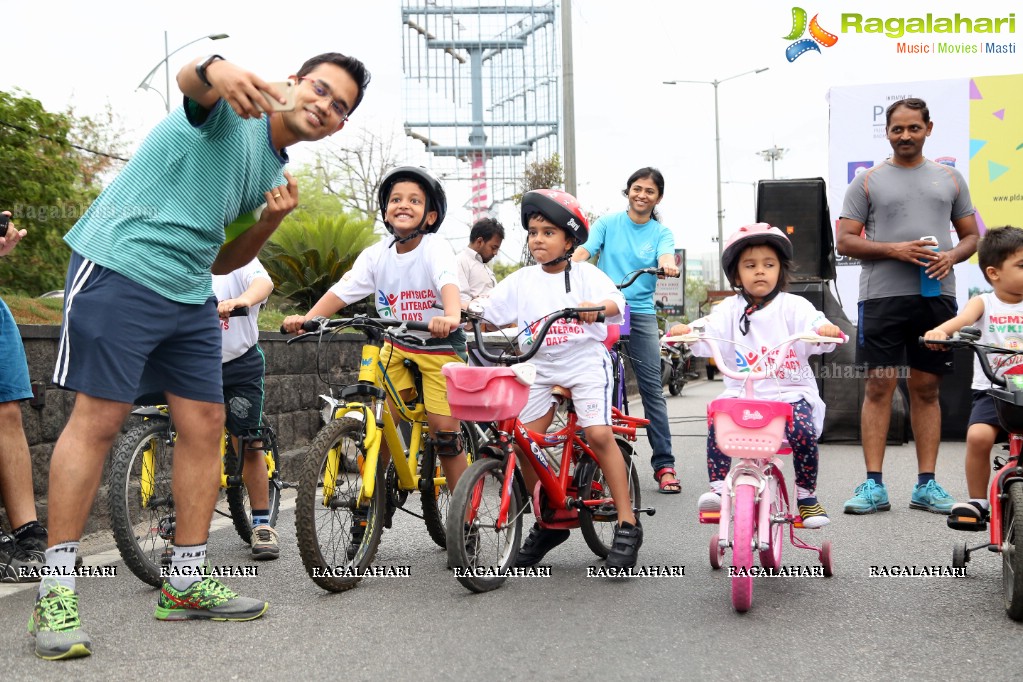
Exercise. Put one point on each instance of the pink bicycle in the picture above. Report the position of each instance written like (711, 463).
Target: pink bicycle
(756, 507)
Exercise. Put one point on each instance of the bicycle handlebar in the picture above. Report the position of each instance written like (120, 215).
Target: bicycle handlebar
(507, 360)
(968, 337)
(373, 327)
(636, 274)
(805, 337)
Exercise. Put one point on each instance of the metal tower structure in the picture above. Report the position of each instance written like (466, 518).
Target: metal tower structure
(481, 86)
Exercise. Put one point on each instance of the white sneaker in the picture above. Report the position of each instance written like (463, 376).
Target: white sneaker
(709, 502)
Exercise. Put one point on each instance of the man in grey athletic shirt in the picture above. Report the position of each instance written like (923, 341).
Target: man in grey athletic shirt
(886, 211)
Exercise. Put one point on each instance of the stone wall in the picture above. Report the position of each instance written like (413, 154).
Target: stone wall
(292, 402)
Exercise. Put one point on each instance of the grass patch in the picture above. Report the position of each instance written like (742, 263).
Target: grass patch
(30, 310)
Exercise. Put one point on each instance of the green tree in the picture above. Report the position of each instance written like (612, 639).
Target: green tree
(307, 254)
(543, 174)
(502, 270)
(696, 293)
(49, 174)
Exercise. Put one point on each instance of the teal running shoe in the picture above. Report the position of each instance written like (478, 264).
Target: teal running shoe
(869, 497)
(931, 497)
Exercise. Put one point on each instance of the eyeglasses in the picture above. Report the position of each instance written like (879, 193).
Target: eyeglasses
(323, 90)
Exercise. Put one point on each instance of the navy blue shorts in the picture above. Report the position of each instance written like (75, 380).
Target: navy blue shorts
(243, 391)
(120, 340)
(14, 381)
(983, 412)
(889, 329)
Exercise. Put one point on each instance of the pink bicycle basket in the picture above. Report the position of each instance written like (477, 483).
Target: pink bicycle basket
(484, 393)
(750, 428)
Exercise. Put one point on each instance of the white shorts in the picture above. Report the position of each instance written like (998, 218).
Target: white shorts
(591, 395)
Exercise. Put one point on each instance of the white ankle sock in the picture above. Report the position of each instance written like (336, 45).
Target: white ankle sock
(60, 559)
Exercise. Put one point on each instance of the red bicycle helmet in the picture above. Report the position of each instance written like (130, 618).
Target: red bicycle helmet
(561, 208)
(436, 199)
(753, 235)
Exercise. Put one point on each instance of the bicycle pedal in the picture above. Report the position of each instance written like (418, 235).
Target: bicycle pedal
(966, 523)
(710, 517)
(649, 511)
(287, 485)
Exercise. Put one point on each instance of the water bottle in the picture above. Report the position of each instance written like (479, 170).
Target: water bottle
(929, 288)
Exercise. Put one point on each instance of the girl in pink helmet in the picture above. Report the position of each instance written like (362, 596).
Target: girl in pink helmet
(756, 261)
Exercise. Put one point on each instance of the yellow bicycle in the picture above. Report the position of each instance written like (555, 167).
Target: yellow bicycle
(141, 501)
(345, 496)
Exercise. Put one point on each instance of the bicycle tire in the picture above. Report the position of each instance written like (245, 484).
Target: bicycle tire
(959, 555)
(493, 550)
(676, 382)
(771, 557)
(324, 527)
(238, 497)
(827, 560)
(716, 552)
(435, 506)
(598, 526)
(743, 528)
(141, 525)
(1012, 551)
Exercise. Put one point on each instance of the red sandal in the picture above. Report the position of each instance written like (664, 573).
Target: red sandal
(668, 486)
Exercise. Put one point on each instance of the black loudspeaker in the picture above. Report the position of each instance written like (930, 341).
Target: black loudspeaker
(800, 209)
(840, 384)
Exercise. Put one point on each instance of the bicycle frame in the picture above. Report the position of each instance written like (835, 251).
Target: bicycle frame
(379, 425)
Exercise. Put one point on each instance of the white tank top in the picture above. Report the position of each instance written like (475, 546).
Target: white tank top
(1000, 325)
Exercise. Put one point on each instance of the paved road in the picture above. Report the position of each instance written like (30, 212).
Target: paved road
(568, 626)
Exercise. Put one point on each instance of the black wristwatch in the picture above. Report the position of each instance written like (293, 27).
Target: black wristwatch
(200, 68)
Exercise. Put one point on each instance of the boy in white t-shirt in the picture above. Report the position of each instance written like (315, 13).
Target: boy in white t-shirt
(1000, 256)
(243, 370)
(575, 357)
(406, 277)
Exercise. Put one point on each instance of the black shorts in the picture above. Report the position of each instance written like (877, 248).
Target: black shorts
(243, 391)
(983, 412)
(890, 328)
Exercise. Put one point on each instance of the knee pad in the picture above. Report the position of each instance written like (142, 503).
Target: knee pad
(447, 443)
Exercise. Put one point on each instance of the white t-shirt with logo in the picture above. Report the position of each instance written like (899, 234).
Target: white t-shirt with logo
(529, 295)
(1001, 325)
(792, 377)
(404, 286)
(240, 333)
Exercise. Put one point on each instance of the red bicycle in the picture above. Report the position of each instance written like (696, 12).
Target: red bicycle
(484, 525)
(1006, 491)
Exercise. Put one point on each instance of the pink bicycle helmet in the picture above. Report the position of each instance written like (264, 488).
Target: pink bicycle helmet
(561, 208)
(753, 235)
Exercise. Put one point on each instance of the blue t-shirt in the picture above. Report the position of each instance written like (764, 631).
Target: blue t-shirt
(625, 246)
(161, 221)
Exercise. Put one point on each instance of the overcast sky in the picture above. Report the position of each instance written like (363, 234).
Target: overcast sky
(88, 54)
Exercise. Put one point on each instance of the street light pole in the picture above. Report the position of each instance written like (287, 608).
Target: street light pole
(165, 62)
(717, 152)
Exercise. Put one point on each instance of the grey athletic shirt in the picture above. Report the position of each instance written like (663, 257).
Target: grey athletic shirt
(898, 204)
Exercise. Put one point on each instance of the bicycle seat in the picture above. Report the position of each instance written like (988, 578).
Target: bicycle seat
(614, 333)
(561, 393)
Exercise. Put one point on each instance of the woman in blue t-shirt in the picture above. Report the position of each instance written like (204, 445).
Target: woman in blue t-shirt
(628, 241)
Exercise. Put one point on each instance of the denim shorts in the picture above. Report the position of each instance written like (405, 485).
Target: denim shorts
(14, 381)
(120, 340)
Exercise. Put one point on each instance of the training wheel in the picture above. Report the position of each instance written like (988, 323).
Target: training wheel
(826, 562)
(716, 552)
(960, 555)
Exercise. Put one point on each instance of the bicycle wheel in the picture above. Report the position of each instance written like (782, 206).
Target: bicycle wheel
(743, 527)
(959, 555)
(771, 557)
(140, 498)
(716, 552)
(328, 521)
(435, 505)
(1012, 552)
(826, 559)
(598, 527)
(237, 495)
(479, 551)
